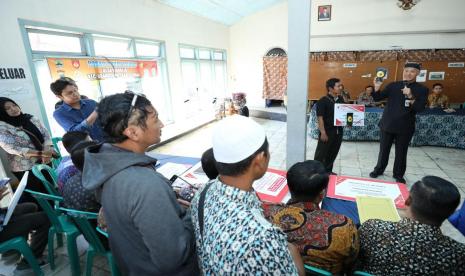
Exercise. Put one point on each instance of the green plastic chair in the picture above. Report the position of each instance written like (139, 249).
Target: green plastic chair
(20, 244)
(101, 231)
(52, 188)
(361, 273)
(96, 247)
(311, 270)
(56, 161)
(61, 224)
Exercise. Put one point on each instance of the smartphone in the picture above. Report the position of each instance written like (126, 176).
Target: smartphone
(350, 119)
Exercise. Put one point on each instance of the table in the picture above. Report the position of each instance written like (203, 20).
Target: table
(347, 208)
(434, 127)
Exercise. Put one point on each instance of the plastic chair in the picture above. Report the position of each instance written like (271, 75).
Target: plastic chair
(361, 273)
(20, 244)
(101, 231)
(316, 271)
(37, 170)
(95, 245)
(60, 225)
(56, 161)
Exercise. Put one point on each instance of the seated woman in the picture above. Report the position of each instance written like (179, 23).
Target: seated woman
(437, 99)
(324, 239)
(25, 221)
(26, 142)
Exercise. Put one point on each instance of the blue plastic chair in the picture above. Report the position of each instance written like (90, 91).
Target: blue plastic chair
(20, 244)
(61, 224)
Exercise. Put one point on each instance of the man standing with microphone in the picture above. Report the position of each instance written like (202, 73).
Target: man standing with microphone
(405, 99)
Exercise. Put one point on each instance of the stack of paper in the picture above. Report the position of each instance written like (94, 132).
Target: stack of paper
(195, 176)
(382, 208)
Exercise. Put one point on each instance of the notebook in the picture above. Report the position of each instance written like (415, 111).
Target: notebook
(382, 208)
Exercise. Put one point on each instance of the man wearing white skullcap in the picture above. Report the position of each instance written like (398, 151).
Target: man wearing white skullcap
(232, 235)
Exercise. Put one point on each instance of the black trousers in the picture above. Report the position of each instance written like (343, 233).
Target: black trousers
(24, 220)
(34, 184)
(401, 146)
(326, 152)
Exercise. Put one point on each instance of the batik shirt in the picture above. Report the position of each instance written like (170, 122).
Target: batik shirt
(237, 239)
(324, 239)
(17, 143)
(75, 196)
(408, 248)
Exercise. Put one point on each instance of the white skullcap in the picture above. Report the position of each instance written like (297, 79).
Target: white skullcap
(235, 138)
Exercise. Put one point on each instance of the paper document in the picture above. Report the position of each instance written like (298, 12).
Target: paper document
(272, 187)
(382, 208)
(169, 169)
(15, 199)
(195, 175)
(348, 188)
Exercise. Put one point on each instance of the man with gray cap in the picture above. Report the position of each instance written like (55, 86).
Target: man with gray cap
(232, 235)
(405, 99)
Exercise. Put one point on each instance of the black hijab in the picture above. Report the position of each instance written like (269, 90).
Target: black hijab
(22, 121)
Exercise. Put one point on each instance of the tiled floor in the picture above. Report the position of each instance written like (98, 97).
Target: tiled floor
(354, 159)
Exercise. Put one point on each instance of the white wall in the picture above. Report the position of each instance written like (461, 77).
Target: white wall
(355, 25)
(139, 18)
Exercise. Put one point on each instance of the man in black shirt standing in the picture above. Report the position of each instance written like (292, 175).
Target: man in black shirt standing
(330, 138)
(405, 99)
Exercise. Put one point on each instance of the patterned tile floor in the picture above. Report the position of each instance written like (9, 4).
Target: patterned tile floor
(354, 159)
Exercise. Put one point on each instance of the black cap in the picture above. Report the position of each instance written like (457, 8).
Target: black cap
(413, 65)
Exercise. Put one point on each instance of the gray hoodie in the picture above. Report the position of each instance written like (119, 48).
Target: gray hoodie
(149, 233)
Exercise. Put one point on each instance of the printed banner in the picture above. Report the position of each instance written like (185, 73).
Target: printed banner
(100, 69)
(341, 112)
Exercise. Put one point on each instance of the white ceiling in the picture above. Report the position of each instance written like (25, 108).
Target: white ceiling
(226, 12)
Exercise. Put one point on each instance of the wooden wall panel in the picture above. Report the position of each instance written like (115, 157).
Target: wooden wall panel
(354, 79)
(454, 79)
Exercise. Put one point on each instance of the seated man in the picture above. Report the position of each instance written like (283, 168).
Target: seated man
(365, 97)
(75, 114)
(437, 99)
(75, 196)
(324, 239)
(231, 233)
(415, 245)
(69, 140)
(149, 232)
(208, 164)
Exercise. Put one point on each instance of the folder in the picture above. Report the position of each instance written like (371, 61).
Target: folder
(382, 208)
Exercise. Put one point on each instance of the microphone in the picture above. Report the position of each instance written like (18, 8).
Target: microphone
(406, 100)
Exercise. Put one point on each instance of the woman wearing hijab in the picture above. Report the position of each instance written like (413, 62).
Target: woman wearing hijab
(26, 142)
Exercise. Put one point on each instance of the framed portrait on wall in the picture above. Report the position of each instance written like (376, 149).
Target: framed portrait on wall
(324, 13)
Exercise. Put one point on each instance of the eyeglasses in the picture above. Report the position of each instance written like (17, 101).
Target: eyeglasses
(133, 102)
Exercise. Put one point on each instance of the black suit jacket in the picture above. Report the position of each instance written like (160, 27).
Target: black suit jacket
(397, 118)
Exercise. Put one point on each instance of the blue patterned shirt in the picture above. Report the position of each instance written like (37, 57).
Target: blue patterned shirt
(237, 239)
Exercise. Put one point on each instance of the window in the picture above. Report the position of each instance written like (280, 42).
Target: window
(67, 47)
(204, 54)
(113, 47)
(51, 42)
(187, 53)
(218, 56)
(147, 49)
(204, 79)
